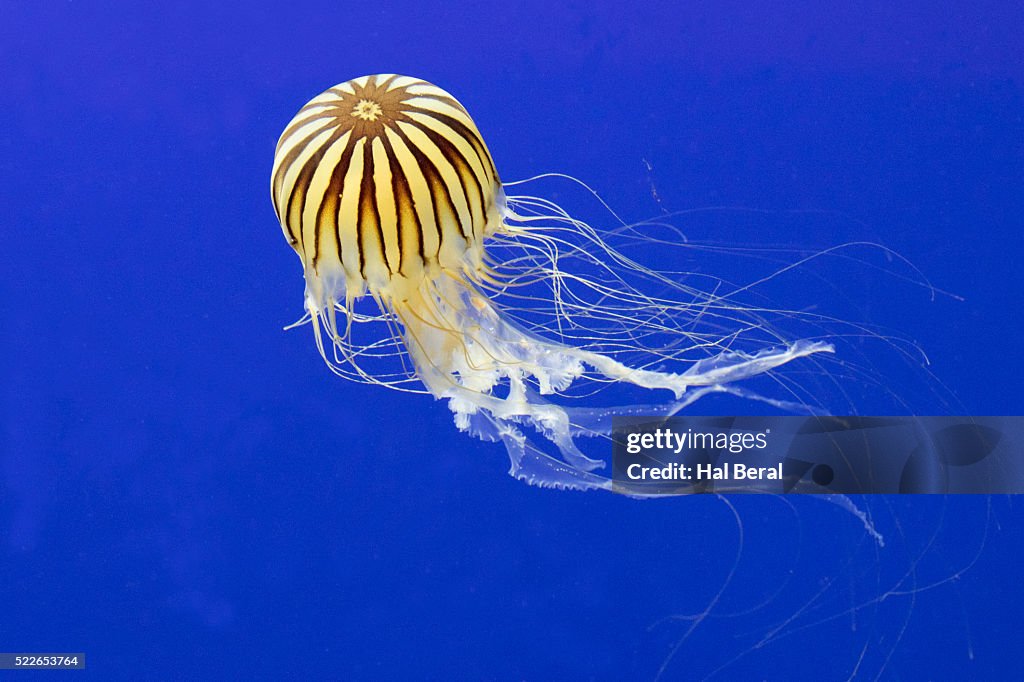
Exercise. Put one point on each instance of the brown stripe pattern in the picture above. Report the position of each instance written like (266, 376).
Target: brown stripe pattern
(384, 175)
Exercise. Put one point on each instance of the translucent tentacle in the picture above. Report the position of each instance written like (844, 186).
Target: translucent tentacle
(468, 353)
(530, 464)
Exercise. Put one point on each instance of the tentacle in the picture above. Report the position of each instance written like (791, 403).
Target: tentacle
(467, 352)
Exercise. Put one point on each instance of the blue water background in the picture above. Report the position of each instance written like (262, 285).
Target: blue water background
(186, 492)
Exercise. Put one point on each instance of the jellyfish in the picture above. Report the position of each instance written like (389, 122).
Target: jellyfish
(424, 273)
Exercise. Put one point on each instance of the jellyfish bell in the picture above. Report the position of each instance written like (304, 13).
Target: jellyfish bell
(383, 182)
(386, 190)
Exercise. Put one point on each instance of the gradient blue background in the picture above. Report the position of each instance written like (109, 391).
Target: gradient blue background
(186, 492)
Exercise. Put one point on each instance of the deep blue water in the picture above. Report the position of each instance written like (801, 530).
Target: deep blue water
(188, 493)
